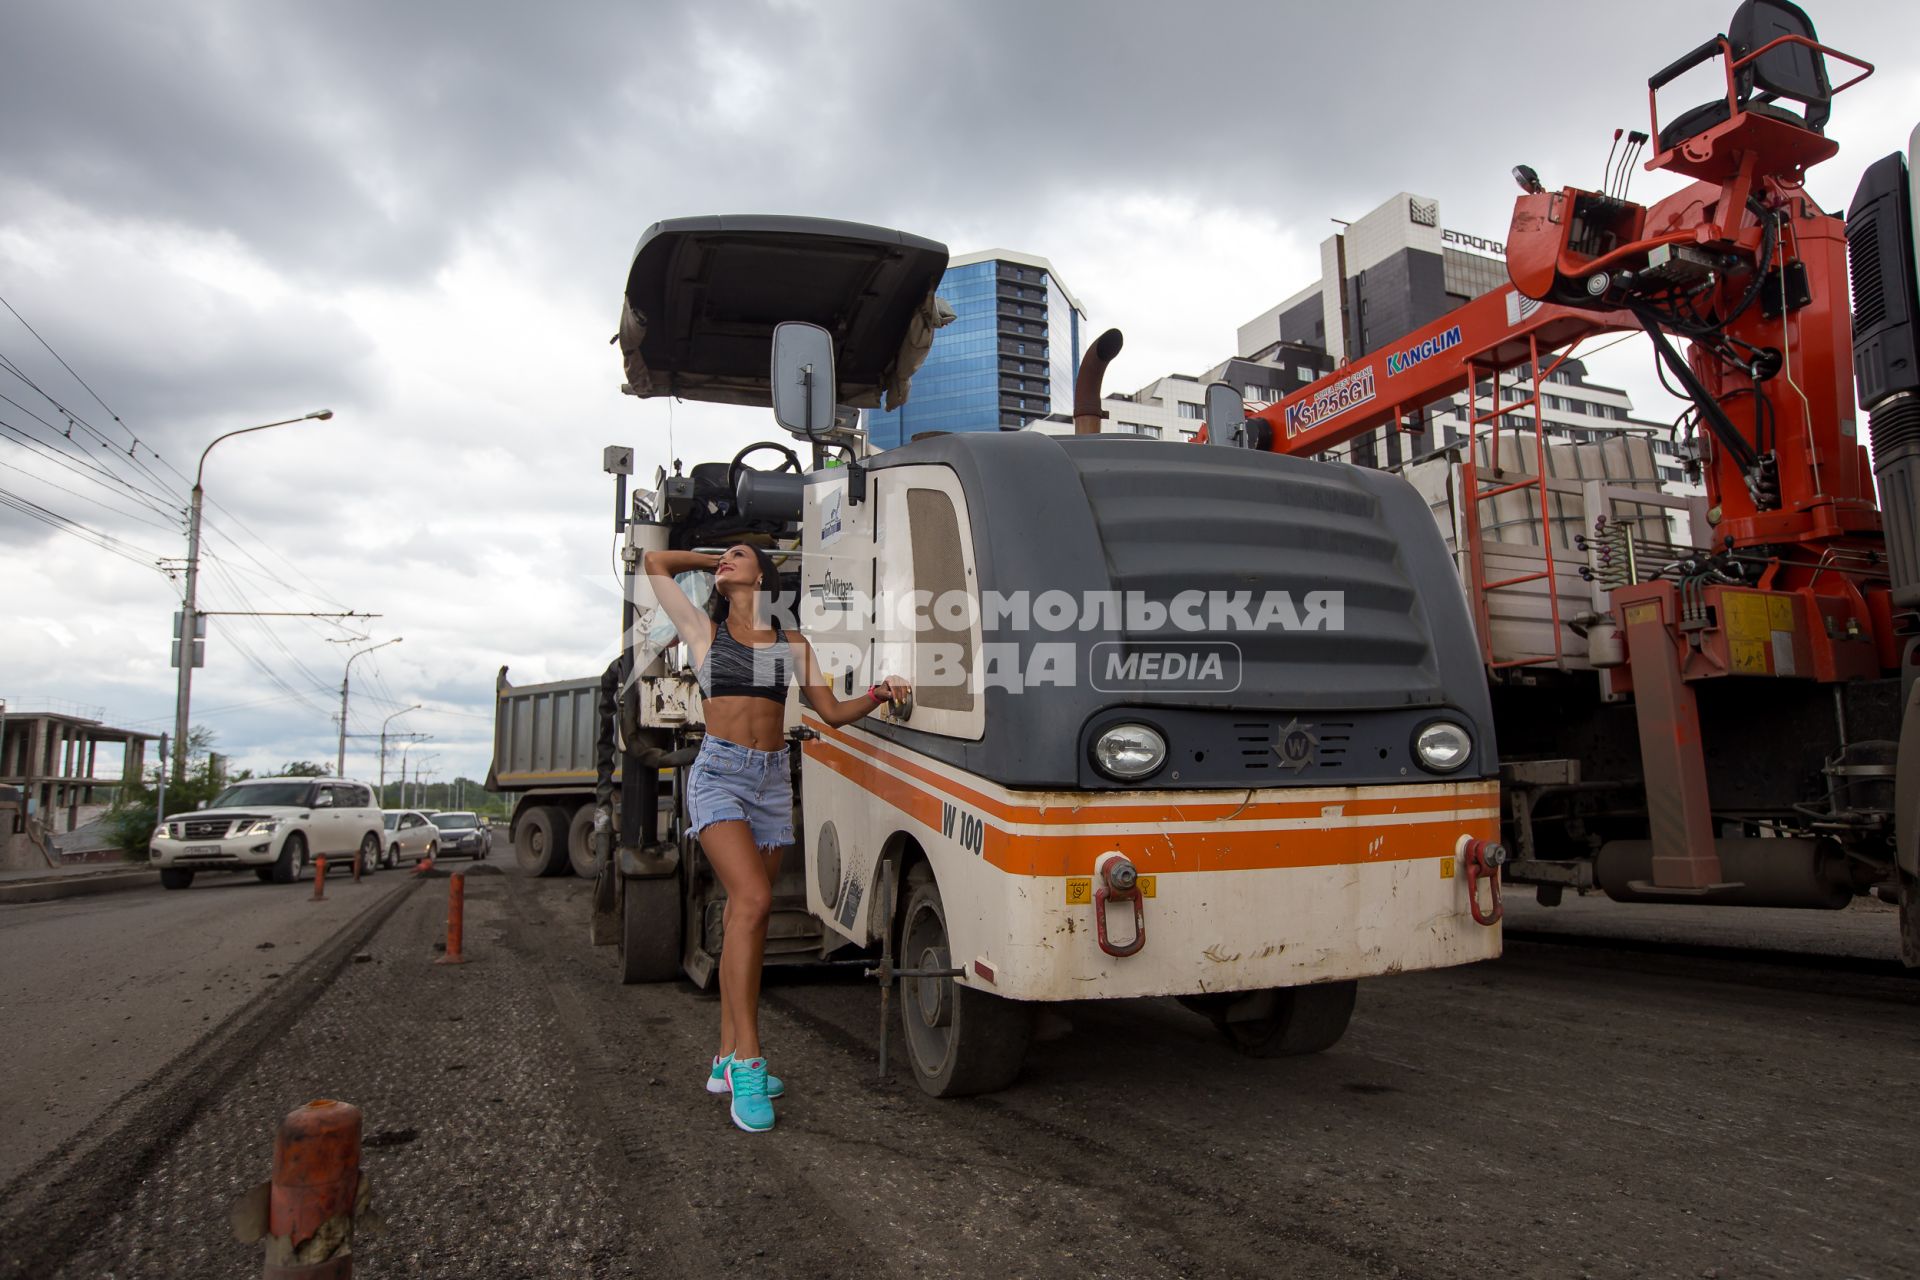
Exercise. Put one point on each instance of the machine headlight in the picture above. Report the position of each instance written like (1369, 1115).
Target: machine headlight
(263, 827)
(1129, 751)
(1442, 746)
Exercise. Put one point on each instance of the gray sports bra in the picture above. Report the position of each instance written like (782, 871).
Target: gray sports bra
(735, 670)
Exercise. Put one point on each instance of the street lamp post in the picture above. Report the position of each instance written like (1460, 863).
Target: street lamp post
(383, 747)
(340, 765)
(189, 608)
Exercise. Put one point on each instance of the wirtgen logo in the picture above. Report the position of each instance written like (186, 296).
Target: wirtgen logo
(1121, 666)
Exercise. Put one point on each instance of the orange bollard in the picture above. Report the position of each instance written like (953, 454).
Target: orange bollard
(356, 866)
(319, 878)
(456, 913)
(423, 866)
(306, 1213)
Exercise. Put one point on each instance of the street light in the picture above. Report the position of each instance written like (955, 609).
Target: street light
(340, 765)
(189, 628)
(383, 747)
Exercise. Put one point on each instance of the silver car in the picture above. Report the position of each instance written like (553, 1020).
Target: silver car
(410, 834)
(461, 832)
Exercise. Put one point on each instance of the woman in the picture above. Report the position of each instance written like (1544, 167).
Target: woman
(739, 793)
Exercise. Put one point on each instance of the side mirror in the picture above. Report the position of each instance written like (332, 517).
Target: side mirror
(199, 804)
(803, 378)
(1226, 414)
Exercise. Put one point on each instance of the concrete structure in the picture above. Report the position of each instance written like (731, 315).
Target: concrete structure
(50, 766)
(1008, 359)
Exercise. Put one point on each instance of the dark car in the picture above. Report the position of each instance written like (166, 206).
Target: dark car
(461, 832)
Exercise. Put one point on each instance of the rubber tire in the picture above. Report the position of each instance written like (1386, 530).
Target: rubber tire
(650, 922)
(287, 869)
(1909, 920)
(1304, 1020)
(987, 1036)
(175, 877)
(580, 843)
(540, 841)
(263, 874)
(369, 855)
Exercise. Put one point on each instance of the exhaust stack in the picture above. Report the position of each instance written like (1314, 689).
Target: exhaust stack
(1087, 412)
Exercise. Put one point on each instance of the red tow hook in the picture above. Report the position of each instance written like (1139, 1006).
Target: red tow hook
(1117, 878)
(1483, 860)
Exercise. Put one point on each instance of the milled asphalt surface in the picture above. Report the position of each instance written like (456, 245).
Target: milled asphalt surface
(1566, 1111)
(101, 990)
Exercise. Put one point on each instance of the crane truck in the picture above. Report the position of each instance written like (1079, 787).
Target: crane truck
(1731, 714)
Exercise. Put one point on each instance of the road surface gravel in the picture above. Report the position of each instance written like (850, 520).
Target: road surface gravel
(1563, 1112)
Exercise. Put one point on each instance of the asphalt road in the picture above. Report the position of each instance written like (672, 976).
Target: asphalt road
(1566, 1111)
(100, 991)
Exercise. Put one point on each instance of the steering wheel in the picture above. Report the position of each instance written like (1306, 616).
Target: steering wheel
(734, 469)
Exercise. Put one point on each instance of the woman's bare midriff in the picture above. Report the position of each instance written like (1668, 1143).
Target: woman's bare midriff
(758, 723)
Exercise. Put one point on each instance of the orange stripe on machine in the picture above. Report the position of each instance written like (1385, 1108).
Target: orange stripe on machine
(1167, 837)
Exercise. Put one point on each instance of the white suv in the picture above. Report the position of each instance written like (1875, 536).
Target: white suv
(276, 826)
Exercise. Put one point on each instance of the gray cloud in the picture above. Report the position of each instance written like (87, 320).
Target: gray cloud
(229, 212)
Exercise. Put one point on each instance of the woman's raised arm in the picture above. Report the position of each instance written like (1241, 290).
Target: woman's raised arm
(695, 628)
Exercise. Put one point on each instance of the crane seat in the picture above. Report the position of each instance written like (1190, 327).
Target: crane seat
(1794, 70)
(1691, 124)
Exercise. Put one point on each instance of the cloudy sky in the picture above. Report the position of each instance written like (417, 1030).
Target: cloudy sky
(420, 216)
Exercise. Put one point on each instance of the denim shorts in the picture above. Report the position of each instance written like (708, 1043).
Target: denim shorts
(729, 782)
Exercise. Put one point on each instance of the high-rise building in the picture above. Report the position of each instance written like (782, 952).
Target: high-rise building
(1008, 359)
(1398, 268)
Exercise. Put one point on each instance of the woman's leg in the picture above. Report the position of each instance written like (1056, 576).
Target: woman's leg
(729, 847)
(770, 858)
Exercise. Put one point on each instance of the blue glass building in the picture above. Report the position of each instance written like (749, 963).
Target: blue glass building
(1009, 357)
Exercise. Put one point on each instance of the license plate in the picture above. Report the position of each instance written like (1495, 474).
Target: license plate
(201, 850)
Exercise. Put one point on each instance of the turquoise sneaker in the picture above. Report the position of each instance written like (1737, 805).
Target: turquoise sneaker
(717, 1078)
(750, 1107)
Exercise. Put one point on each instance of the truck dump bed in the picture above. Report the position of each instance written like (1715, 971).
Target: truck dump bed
(543, 734)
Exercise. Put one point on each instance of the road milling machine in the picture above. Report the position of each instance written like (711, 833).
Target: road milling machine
(1143, 756)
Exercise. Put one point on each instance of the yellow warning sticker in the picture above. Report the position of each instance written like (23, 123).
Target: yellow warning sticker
(1080, 889)
(1446, 868)
(1780, 612)
(1749, 656)
(1745, 618)
(1645, 611)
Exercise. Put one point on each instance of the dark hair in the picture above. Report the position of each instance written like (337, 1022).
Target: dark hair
(717, 605)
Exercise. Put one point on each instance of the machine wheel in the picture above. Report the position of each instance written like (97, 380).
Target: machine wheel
(175, 877)
(540, 841)
(293, 857)
(961, 1041)
(1289, 1021)
(369, 854)
(650, 930)
(580, 843)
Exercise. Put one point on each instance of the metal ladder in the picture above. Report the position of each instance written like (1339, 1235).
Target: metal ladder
(1474, 495)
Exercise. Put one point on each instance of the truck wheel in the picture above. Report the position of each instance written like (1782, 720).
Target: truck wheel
(650, 930)
(1910, 920)
(1291, 1020)
(580, 843)
(175, 877)
(540, 840)
(961, 1041)
(293, 855)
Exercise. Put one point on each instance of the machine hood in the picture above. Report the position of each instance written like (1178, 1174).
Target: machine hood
(704, 294)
